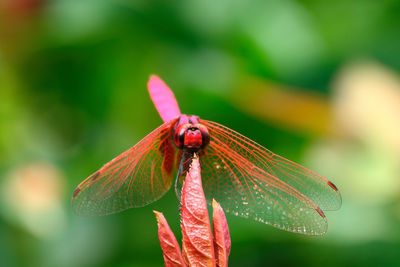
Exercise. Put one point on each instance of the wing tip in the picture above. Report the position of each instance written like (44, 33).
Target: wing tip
(76, 191)
(91, 178)
(320, 212)
(94, 176)
(332, 185)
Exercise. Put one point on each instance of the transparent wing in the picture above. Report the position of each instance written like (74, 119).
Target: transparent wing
(251, 181)
(137, 177)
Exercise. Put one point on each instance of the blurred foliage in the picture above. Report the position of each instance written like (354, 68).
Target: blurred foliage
(314, 81)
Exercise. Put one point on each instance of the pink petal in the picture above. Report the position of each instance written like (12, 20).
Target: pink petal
(197, 240)
(169, 244)
(222, 240)
(163, 99)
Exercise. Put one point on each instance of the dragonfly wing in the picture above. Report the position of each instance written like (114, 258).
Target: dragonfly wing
(137, 177)
(251, 181)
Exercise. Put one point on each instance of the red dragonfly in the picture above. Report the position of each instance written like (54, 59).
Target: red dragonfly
(246, 178)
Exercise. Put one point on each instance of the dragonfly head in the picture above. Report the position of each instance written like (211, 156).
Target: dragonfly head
(191, 135)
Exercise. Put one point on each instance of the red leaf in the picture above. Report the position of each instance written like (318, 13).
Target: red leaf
(222, 240)
(197, 240)
(169, 244)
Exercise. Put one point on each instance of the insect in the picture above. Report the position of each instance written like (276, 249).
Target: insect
(247, 179)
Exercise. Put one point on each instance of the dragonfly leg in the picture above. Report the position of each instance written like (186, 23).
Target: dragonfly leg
(183, 169)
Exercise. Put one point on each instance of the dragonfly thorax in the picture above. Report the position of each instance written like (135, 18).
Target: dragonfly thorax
(190, 134)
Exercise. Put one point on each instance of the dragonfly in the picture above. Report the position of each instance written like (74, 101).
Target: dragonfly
(247, 179)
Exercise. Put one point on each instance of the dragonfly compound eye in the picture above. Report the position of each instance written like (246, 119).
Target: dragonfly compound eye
(179, 136)
(191, 136)
(204, 134)
(196, 137)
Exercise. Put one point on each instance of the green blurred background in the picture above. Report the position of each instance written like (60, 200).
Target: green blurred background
(314, 81)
